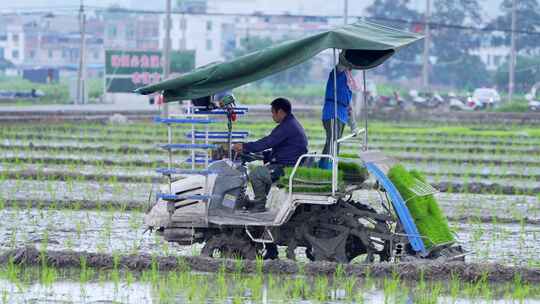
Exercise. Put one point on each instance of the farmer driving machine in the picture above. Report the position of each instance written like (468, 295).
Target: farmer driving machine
(316, 212)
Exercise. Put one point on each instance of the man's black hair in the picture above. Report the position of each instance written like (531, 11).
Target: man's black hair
(283, 104)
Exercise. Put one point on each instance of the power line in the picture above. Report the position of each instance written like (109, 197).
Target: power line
(435, 25)
(432, 25)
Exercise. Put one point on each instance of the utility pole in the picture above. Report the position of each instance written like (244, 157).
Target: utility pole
(427, 42)
(167, 53)
(346, 12)
(81, 77)
(512, 59)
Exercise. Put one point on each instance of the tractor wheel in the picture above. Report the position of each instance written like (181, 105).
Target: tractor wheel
(328, 239)
(229, 247)
(449, 253)
(269, 252)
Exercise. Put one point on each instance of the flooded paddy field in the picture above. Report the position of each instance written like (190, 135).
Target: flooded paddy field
(77, 192)
(118, 231)
(234, 282)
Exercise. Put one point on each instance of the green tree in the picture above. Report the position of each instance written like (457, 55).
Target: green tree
(527, 19)
(527, 74)
(451, 45)
(406, 63)
(468, 72)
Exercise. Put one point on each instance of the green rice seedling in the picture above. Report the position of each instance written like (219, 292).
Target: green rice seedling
(309, 180)
(238, 266)
(255, 284)
(348, 286)
(455, 286)
(339, 274)
(85, 272)
(286, 285)
(391, 288)
(69, 242)
(221, 282)
(425, 210)
(320, 290)
(5, 297)
(259, 264)
(129, 278)
(154, 270)
(48, 275)
(11, 272)
(429, 295)
(298, 289)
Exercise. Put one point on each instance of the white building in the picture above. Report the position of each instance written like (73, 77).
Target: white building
(492, 56)
(12, 43)
(296, 7)
(202, 33)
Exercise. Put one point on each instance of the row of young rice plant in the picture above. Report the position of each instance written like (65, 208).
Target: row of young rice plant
(145, 160)
(108, 145)
(148, 153)
(509, 133)
(85, 284)
(463, 143)
(113, 228)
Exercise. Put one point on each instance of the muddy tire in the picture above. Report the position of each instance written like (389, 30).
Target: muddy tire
(270, 252)
(328, 239)
(453, 253)
(229, 247)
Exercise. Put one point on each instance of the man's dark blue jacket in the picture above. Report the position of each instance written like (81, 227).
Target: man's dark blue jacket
(288, 142)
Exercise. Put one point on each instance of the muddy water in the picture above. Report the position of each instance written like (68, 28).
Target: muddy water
(92, 231)
(122, 232)
(103, 191)
(139, 292)
(109, 286)
(87, 194)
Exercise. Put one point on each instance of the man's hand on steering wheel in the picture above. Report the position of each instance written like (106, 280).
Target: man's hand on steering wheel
(238, 148)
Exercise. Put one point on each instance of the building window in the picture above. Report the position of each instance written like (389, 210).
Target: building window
(64, 53)
(15, 54)
(50, 54)
(208, 44)
(497, 60)
(15, 38)
(130, 33)
(1, 52)
(96, 55)
(112, 31)
(32, 54)
(209, 25)
(3, 37)
(183, 23)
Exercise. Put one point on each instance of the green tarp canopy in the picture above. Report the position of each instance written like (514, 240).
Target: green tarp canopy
(367, 44)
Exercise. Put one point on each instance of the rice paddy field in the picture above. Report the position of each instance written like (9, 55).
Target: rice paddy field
(73, 196)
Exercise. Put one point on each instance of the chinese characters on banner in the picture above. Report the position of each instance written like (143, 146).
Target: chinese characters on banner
(145, 78)
(143, 61)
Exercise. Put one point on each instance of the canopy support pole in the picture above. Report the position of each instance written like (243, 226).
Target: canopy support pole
(334, 149)
(365, 112)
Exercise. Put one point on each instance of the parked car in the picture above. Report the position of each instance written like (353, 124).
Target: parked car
(486, 97)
